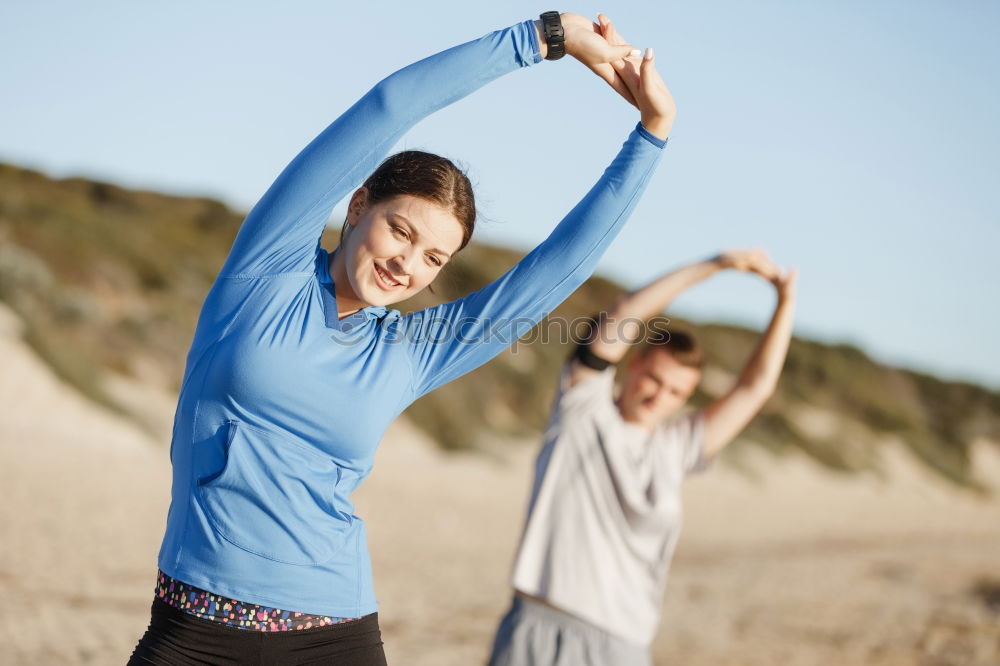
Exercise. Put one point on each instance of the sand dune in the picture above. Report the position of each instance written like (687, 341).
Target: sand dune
(790, 565)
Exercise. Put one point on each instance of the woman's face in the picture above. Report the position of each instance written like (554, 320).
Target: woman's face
(394, 248)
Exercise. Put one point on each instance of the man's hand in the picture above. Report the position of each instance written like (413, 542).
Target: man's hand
(750, 261)
(757, 261)
(785, 284)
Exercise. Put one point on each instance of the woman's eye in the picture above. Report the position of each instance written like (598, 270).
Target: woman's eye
(399, 232)
(434, 261)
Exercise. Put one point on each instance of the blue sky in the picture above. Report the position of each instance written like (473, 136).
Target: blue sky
(857, 140)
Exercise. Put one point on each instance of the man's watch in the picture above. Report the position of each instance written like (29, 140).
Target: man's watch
(554, 36)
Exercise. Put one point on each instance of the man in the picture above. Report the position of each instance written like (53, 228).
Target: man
(605, 509)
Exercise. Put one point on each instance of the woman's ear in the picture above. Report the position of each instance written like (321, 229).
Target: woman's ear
(359, 201)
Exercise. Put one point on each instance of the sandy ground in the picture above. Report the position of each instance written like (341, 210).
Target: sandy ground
(791, 565)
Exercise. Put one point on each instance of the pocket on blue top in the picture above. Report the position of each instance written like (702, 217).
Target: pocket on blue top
(275, 498)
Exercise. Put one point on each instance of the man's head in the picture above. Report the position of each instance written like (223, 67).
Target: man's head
(660, 378)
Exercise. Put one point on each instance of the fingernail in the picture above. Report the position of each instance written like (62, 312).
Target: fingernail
(649, 53)
(635, 53)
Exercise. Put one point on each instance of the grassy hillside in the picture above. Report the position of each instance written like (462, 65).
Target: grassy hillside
(109, 279)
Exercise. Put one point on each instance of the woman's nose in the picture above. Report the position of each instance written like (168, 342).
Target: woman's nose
(401, 264)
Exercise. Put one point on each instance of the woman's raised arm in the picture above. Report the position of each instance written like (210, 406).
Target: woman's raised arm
(281, 233)
(449, 340)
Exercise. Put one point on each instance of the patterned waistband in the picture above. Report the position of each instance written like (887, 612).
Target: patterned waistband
(231, 612)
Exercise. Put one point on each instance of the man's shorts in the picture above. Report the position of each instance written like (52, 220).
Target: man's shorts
(532, 634)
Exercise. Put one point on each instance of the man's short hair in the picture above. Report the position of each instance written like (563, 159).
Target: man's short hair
(682, 345)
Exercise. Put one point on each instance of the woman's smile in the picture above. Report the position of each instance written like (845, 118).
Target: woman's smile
(385, 280)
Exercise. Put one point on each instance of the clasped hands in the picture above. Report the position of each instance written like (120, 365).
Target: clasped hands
(757, 261)
(629, 72)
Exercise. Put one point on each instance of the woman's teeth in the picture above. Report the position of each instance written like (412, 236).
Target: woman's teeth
(386, 278)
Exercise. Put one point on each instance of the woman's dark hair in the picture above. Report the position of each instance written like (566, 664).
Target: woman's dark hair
(429, 177)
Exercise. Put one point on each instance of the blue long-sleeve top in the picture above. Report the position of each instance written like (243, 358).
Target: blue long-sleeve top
(283, 404)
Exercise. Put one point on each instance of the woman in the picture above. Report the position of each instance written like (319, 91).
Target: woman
(297, 366)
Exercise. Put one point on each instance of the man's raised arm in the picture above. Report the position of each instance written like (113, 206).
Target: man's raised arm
(623, 323)
(727, 416)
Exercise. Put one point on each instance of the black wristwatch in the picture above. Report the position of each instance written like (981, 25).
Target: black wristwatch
(588, 358)
(554, 36)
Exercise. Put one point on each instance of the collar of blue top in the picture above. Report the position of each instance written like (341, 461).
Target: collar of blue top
(352, 321)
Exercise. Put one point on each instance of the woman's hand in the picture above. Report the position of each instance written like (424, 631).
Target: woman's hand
(613, 37)
(585, 42)
(648, 91)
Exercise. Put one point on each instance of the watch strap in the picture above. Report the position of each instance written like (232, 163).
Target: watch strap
(555, 38)
(589, 359)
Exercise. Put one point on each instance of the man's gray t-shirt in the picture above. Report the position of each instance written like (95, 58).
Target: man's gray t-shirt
(605, 510)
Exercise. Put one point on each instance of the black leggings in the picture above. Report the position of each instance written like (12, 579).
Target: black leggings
(175, 638)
